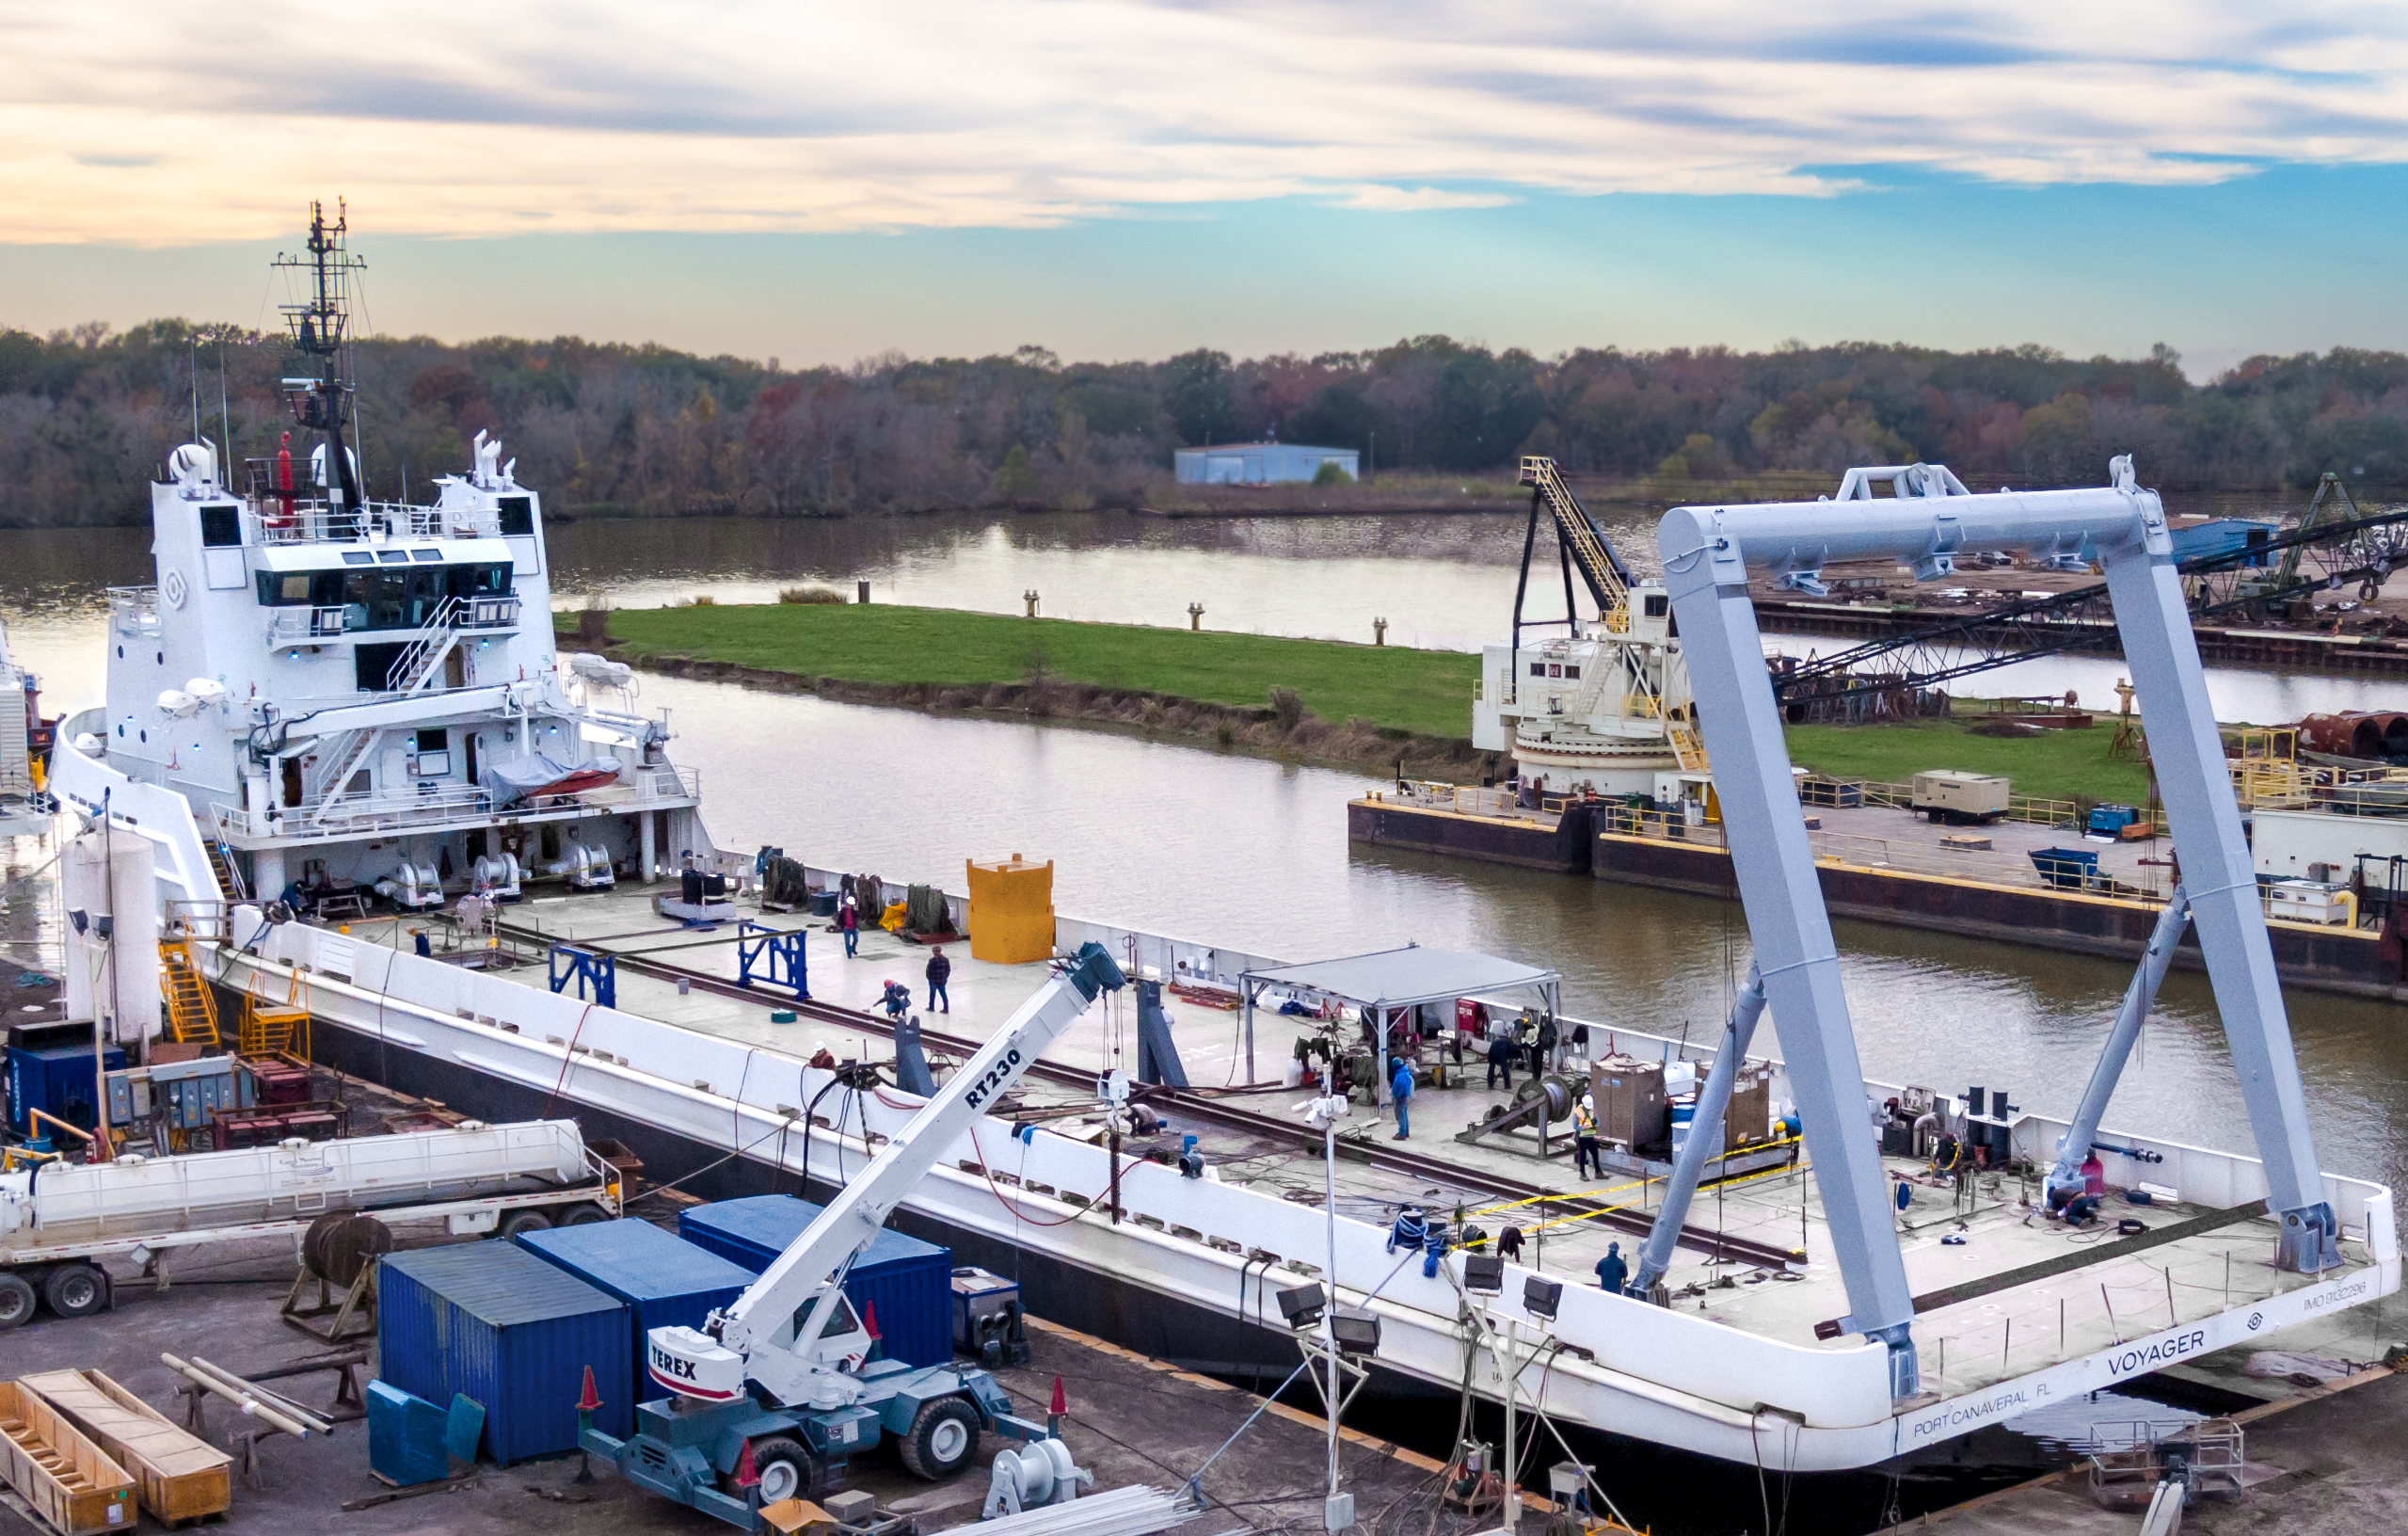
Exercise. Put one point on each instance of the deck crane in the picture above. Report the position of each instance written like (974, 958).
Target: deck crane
(781, 1373)
(1605, 708)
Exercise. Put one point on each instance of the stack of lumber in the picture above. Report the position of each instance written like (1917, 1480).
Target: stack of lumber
(180, 1476)
(70, 1483)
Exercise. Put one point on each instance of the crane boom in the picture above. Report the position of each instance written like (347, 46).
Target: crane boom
(855, 1216)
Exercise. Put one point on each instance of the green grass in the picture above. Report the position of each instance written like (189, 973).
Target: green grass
(1424, 691)
(2053, 766)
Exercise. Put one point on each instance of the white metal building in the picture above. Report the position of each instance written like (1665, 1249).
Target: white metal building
(1259, 463)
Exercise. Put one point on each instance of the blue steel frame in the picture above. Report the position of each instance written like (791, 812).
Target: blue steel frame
(777, 953)
(586, 967)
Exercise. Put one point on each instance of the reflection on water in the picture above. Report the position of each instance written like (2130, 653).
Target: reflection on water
(1251, 852)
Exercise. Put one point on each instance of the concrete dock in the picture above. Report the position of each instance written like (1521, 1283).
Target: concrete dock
(1131, 1421)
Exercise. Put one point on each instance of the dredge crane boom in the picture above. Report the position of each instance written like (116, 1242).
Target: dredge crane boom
(1607, 578)
(811, 1268)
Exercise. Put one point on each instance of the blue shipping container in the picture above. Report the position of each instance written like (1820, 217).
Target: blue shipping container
(664, 1282)
(57, 1080)
(497, 1324)
(908, 1281)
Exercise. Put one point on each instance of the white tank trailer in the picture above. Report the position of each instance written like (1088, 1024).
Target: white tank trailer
(56, 1217)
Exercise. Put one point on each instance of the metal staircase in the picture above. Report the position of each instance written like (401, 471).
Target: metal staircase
(272, 1028)
(192, 1009)
(416, 666)
(351, 750)
(221, 865)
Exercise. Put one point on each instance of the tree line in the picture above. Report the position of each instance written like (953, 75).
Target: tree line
(88, 415)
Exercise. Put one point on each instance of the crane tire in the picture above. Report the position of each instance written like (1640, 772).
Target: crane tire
(942, 1440)
(786, 1469)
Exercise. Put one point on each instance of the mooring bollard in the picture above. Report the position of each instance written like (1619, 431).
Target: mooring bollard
(861, 591)
(1379, 632)
(1195, 616)
(1029, 598)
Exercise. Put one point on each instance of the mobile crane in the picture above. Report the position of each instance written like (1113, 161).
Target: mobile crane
(783, 1371)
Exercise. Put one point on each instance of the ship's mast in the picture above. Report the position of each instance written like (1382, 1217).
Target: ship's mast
(320, 327)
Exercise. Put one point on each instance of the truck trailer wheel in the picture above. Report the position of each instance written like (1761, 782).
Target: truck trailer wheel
(522, 1221)
(16, 1299)
(787, 1470)
(585, 1214)
(941, 1440)
(75, 1291)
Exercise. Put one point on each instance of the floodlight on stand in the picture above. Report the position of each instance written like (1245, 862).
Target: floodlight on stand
(81, 919)
(1301, 1306)
(1483, 1273)
(1541, 1297)
(1357, 1332)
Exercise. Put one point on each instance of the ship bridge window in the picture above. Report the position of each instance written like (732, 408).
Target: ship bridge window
(1658, 604)
(1537, 669)
(221, 526)
(477, 581)
(358, 557)
(393, 558)
(1572, 672)
(518, 516)
(427, 556)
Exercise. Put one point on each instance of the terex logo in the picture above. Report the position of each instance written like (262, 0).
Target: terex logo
(665, 1364)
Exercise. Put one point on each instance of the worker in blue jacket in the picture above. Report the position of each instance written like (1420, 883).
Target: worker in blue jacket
(1612, 1274)
(1401, 1088)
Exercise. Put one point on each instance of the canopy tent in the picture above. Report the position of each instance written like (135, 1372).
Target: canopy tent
(1392, 983)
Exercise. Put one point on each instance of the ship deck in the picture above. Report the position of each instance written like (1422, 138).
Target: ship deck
(2016, 1295)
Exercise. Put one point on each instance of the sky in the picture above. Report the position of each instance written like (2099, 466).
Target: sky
(822, 184)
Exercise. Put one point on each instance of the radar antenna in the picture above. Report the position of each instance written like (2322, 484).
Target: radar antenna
(320, 325)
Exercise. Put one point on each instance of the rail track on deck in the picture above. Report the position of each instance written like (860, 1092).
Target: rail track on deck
(1204, 1107)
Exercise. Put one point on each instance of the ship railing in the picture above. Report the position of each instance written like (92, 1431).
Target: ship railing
(133, 607)
(499, 612)
(1629, 820)
(270, 518)
(370, 810)
(302, 624)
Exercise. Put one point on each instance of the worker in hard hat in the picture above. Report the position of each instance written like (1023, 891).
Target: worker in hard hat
(823, 1057)
(1584, 1140)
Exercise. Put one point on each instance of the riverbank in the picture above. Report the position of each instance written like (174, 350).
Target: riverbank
(1367, 707)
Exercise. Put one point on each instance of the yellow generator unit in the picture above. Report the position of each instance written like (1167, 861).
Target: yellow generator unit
(1012, 910)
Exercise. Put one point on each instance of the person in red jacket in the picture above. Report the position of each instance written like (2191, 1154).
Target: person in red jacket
(849, 923)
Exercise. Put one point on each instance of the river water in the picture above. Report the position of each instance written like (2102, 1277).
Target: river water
(1254, 853)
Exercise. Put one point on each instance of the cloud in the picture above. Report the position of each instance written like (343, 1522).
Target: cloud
(164, 123)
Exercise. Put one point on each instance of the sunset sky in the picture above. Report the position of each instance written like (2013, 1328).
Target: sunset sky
(823, 182)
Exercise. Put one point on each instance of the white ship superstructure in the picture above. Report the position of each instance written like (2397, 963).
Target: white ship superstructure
(360, 701)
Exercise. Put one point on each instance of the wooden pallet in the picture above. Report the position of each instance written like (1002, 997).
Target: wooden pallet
(179, 1475)
(70, 1483)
